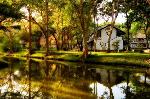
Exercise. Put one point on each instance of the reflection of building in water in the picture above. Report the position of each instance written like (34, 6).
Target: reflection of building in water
(107, 83)
(108, 77)
(116, 84)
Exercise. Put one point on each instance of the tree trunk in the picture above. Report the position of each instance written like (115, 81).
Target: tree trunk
(57, 44)
(46, 29)
(109, 37)
(85, 46)
(95, 33)
(84, 29)
(62, 31)
(146, 34)
(147, 44)
(30, 32)
(114, 16)
(128, 31)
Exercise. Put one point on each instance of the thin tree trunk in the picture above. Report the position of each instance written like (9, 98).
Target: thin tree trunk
(85, 46)
(84, 31)
(56, 40)
(114, 16)
(30, 31)
(95, 33)
(109, 38)
(46, 28)
(128, 32)
(62, 31)
(145, 31)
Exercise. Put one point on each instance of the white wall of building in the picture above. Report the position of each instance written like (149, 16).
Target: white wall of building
(102, 42)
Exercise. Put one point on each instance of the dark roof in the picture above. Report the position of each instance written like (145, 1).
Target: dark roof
(119, 32)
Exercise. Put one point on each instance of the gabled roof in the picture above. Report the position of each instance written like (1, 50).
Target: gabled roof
(140, 35)
(119, 32)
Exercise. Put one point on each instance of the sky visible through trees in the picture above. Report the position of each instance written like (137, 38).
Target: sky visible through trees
(69, 23)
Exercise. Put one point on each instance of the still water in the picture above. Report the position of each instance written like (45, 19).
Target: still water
(30, 79)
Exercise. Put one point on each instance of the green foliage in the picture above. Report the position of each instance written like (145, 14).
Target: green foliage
(8, 11)
(6, 46)
(116, 45)
(68, 17)
(135, 26)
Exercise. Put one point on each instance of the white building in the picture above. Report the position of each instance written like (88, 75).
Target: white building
(103, 36)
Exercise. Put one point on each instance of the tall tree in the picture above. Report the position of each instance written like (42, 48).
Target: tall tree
(114, 10)
(126, 9)
(95, 17)
(46, 27)
(84, 10)
(142, 14)
(9, 14)
(42, 9)
(30, 30)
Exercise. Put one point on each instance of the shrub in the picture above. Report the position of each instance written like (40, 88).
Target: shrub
(16, 47)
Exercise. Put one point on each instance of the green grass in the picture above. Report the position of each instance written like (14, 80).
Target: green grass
(103, 58)
(134, 59)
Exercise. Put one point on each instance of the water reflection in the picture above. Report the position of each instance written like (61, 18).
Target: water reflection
(28, 79)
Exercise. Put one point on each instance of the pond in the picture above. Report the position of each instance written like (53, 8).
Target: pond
(32, 79)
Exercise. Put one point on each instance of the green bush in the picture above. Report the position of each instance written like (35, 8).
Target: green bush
(16, 47)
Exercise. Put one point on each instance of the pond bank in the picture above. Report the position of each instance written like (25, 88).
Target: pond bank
(123, 59)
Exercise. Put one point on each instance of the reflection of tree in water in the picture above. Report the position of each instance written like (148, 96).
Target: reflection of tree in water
(17, 83)
(126, 81)
(64, 82)
(140, 86)
(47, 79)
(10, 87)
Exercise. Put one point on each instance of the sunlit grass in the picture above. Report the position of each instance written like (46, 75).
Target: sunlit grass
(133, 59)
(21, 53)
(37, 55)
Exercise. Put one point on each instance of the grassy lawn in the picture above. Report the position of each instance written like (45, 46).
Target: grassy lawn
(134, 59)
(130, 59)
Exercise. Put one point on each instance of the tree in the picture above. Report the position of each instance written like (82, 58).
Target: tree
(115, 8)
(8, 15)
(95, 17)
(61, 5)
(46, 28)
(127, 7)
(145, 14)
(111, 9)
(43, 9)
(136, 11)
(142, 13)
(30, 30)
(84, 10)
